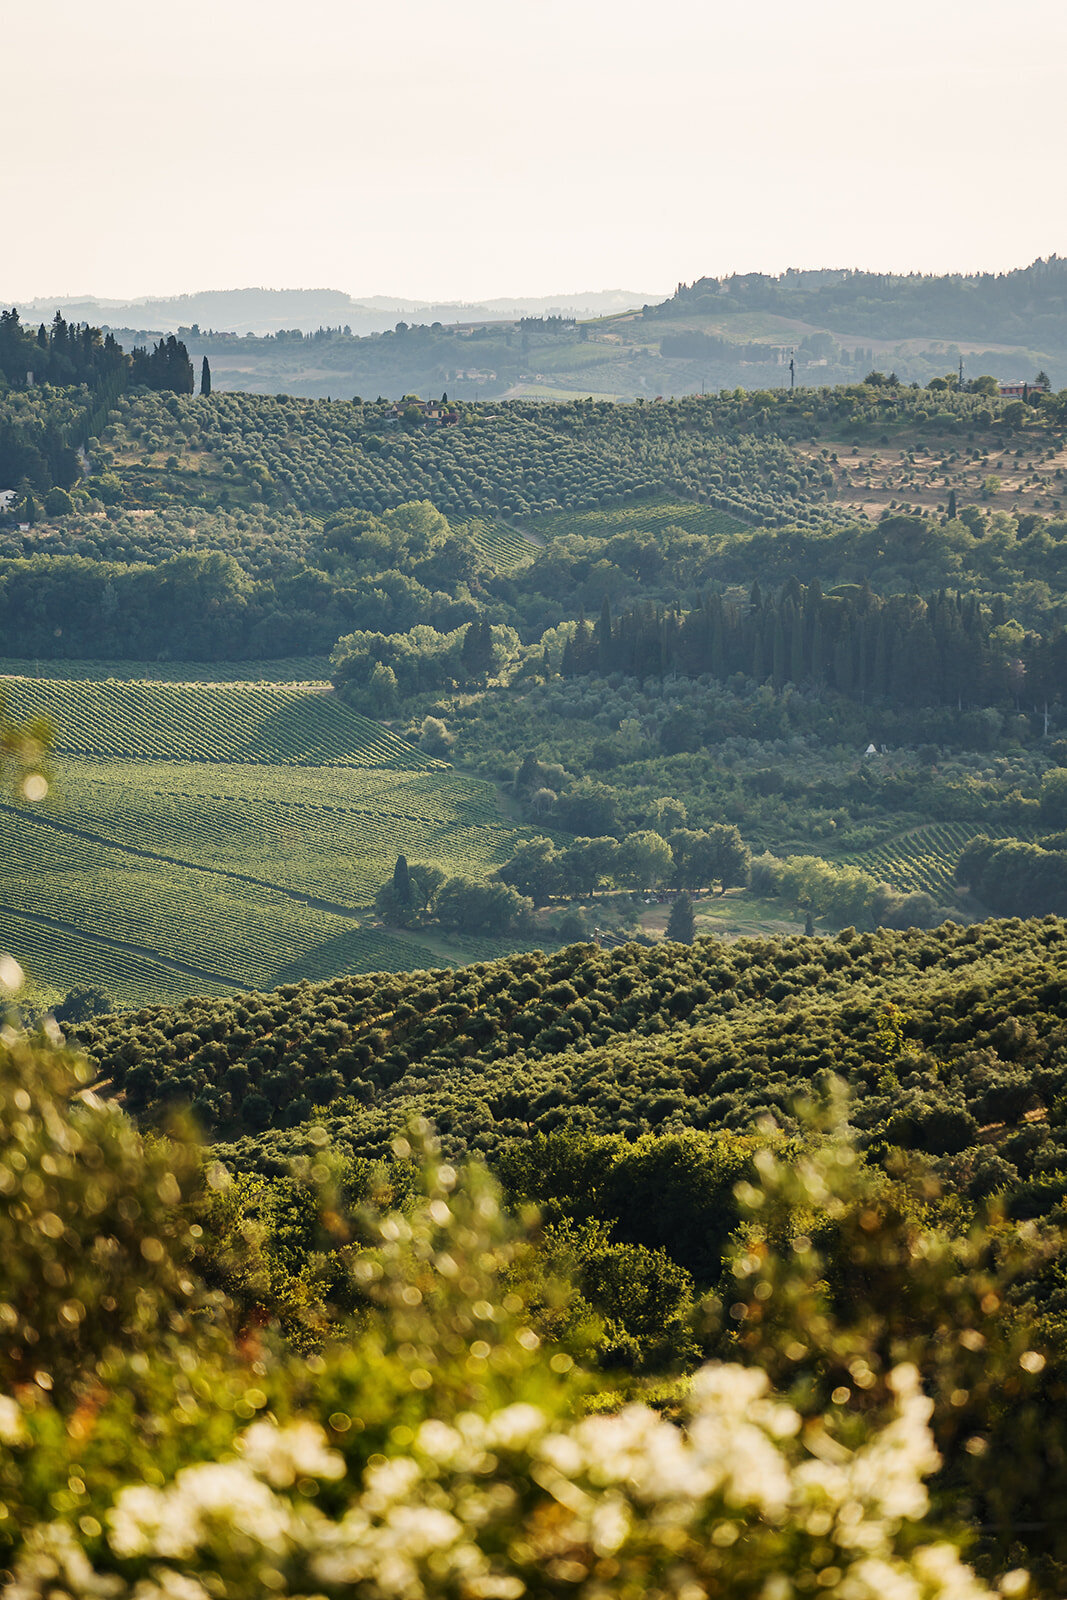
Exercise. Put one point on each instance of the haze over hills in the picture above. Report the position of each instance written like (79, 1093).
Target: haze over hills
(265, 311)
(742, 331)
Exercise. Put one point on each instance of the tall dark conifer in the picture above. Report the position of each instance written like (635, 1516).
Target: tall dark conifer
(205, 377)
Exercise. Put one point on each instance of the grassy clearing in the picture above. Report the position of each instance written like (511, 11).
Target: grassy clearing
(734, 915)
(643, 516)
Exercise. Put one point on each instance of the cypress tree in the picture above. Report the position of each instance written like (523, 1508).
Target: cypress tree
(402, 883)
(604, 640)
(778, 671)
(681, 925)
(951, 504)
(205, 377)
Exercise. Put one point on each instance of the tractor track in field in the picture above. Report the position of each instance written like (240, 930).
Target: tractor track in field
(312, 901)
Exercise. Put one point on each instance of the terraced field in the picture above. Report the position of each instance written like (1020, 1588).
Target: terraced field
(253, 722)
(923, 859)
(202, 838)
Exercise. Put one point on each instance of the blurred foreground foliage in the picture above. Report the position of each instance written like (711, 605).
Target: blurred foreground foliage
(160, 1436)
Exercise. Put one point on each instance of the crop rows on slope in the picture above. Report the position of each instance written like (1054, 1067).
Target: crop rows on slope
(941, 1034)
(336, 838)
(505, 547)
(297, 669)
(924, 859)
(518, 458)
(70, 960)
(236, 933)
(205, 722)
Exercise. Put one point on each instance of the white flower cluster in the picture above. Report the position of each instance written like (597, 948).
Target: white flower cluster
(745, 1500)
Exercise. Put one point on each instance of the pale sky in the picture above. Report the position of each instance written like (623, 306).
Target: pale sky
(468, 148)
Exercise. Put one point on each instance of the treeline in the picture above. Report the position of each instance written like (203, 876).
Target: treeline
(39, 441)
(994, 306)
(60, 355)
(691, 858)
(900, 648)
(166, 366)
(1017, 877)
(196, 606)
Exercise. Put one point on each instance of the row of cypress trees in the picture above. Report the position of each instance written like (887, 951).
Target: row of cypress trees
(948, 648)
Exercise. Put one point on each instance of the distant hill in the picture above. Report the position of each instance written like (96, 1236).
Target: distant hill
(741, 332)
(264, 311)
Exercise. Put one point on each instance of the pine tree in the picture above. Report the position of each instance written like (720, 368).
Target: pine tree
(205, 377)
(951, 504)
(681, 926)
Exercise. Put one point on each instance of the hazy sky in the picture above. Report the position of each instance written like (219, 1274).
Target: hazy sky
(462, 148)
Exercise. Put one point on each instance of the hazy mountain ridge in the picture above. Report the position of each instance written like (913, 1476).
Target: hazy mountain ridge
(263, 311)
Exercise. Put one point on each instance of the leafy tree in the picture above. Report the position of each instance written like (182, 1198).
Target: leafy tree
(643, 860)
(57, 503)
(79, 1005)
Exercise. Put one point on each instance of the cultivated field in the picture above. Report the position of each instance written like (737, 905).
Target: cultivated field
(201, 838)
(253, 722)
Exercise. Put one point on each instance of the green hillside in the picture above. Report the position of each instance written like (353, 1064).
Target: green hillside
(953, 1041)
(149, 721)
(201, 838)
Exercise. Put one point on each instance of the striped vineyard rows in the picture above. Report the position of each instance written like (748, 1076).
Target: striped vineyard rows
(336, 841)
(505, 547)
(924, 859)
(254, 723)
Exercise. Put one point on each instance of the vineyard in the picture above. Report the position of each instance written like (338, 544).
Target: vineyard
(150, 721)
(327, 833)
(297, 669)
(923, 859)
(203, 837)
(158, 880)
(504, 546)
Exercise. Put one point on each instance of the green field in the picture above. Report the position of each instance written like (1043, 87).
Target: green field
(200, 839)
(297, 669)
(640, 516)
(253, 722)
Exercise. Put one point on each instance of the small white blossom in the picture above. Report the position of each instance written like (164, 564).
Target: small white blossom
(281, 1455)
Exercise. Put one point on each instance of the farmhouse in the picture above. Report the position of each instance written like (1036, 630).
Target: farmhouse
(1021, 390)
(436, 413)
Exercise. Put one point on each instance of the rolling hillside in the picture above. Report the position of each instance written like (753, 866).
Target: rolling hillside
(202, 838)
